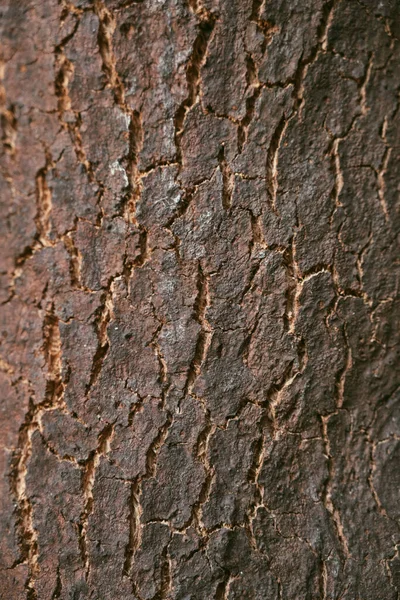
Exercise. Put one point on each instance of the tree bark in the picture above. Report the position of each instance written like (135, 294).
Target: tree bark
(200, 304)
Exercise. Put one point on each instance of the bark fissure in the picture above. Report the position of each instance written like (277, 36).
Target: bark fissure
(200, 307)
(327, 497)
(88, 481)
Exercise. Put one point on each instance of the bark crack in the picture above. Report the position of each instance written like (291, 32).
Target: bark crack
(27, 532)
(53, 398)
(201, 305)
(193, 77)
(88, 481)
(327, 495)
(104, 317)
(135, 524)
(228, 180)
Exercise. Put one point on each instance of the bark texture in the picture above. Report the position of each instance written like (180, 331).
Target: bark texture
(200, 303)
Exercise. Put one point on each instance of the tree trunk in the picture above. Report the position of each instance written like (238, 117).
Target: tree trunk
(200, 304)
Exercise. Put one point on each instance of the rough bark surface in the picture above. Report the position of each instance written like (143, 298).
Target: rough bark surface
(200, 304)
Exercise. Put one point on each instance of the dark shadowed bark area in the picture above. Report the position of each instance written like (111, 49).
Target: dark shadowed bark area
(199, 340)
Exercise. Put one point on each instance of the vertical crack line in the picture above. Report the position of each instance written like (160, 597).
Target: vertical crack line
(244, 349)
(363, 86)
(337, 171)
(155, 447)
(326, 24)
(257, 239)
(135, 530)
(64, 69)
(69, 119)
(253, 477)
(336, 168)
(64, 72)
(228, 180)
(359, 265)
(294, 287)
(387, 566)
(58, 587)
(135, 525)
(163, 370)
(324, 580)
(201, 453)
(53, 398)
(372, 470)
(105, 314)
(76, 137)
(342, 374)
(24, 509)
(274, 396)
(200, 307)
(381, 183)
(252, 81)
(222, 591)
(54, 393)
(8, 118)
(327, 493)
(272, 162)
(280, 589)
(145, 250)
(106, 30)
(136, 137)
(162, 363)
(193, 78)
(75, 266)
(166, 575)
(8, 124)
(88, 480)
(107, 25)
(267, 28)
(43, 204)
(321, 46)
(256, 10)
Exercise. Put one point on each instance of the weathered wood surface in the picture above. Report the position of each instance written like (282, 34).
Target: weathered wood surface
(200, 306)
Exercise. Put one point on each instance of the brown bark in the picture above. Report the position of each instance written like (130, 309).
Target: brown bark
(200, 307)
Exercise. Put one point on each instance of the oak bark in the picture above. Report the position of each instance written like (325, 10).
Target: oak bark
(200, 299)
